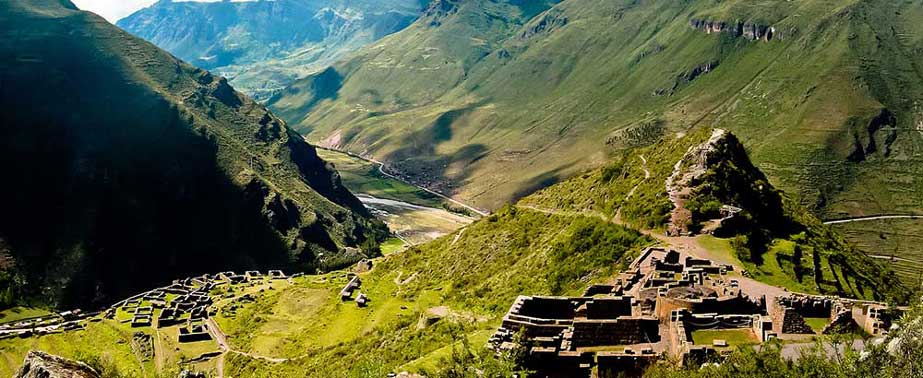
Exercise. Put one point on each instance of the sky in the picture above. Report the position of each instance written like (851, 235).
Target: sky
(112, 10)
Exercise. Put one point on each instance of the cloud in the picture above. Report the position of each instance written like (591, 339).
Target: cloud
(113, 10)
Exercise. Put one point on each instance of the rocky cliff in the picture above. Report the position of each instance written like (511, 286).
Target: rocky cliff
(43, 365)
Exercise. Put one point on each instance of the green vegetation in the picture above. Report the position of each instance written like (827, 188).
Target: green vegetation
(19, 313)
(817, 324)
(426, 299)
(392, 246)
(493, 87)
(733, 337)
(774, 238)
(81, 345)
(896, 242)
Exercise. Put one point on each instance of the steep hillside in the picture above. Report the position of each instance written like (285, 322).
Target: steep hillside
(125, 168)
(825, 93)
(705, 184)
(262, 46)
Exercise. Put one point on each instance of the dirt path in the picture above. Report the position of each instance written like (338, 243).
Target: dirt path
(647, 175)
(158, 351)
(894, 258)
(872, 218)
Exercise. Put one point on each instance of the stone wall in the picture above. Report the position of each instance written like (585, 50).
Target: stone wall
(608, 308)
(786, 319)
(622, 331)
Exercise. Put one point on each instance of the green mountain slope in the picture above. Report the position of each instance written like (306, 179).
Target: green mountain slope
(126, 168)
(825, 94)
(262, 46)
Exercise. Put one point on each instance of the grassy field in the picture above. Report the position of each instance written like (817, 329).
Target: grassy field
(897, 238)
(734, 337)
(18, 313)
(361, 176)
(107, 341)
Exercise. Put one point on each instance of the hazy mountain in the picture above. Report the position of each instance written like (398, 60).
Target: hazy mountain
(125, 168)
(262, 46)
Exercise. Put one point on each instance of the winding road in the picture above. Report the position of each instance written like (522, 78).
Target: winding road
(872, 218)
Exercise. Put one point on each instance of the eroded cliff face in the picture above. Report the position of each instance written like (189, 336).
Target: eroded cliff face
(749, 30)
(43, 365)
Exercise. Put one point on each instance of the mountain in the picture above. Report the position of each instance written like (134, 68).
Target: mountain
(262, 46)
(126, 168)
(824, 93)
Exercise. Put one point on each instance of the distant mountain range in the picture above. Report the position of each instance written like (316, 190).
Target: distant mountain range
(262, 46)
(125, 167)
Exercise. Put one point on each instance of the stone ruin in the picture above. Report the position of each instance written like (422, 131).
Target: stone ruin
(193, 332)
(142, 344)
(654, 307)
(622, 326)
(354, 284)
(843, 315)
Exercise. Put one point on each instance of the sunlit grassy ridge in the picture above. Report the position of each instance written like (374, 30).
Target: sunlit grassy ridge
(425, 297)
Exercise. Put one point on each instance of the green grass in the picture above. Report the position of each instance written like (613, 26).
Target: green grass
(777, 269)
(721, 247)
(18, 313)
(520, 102)
(361, 176)
(734, 337)
(817, 324)
(108, 341)
(392, 245)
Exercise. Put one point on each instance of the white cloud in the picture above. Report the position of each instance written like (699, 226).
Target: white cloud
(113, 10)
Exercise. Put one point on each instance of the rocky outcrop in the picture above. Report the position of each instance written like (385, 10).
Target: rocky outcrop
(689, 169)
(866, 141)
(546, 23)
(440, 9)
(43, 365)
(748, 30)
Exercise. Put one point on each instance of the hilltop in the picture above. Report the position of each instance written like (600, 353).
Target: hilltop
(263, 46)
(126, 167)
(825, 94)
(702, 191)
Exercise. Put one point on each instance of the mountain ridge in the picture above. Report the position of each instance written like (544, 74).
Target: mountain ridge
(263, 46)
(207, 178)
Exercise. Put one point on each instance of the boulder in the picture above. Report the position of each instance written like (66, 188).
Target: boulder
(43, 365)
